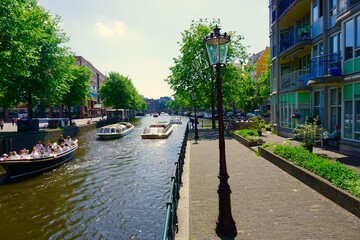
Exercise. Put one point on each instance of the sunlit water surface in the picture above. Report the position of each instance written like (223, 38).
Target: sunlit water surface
(115, 189)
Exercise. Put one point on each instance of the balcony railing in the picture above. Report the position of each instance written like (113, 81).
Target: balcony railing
(344, 6)
(328, 65)
(317, 27)
(295, 79)
(284, 4)
(299, 34)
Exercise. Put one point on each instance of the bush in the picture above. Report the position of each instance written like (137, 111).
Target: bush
(335, 172)
(250, 134)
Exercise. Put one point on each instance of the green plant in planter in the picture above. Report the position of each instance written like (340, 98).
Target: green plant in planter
(309, 132)
(258, 123)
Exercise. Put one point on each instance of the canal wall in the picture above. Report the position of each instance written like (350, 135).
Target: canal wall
(17, 141)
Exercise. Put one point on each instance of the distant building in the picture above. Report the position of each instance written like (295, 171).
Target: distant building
(259, 60)
(156, 105)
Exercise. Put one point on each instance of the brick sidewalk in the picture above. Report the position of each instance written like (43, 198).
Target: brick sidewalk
(267, 203)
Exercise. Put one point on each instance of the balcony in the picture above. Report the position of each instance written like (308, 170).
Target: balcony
(284, 4)
(346, 5)
(317, 27)
(325, 70)
(299, 34)
(297, 78)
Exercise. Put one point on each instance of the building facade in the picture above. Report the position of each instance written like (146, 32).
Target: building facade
(93, 107)
(315, 66)
(259, 60)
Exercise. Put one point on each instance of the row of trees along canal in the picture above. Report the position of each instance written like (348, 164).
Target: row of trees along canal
(37, 65)
(191, 73)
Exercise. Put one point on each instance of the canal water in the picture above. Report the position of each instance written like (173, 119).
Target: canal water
(114, 189)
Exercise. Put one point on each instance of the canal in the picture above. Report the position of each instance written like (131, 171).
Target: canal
(113, 189)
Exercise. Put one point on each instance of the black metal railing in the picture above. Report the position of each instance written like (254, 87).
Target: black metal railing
(171, 222)
(325, 65)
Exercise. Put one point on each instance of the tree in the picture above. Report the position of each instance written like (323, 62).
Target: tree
(119, 92)
(35, 62)
(79, 88)
(263, 86)
(192, 73)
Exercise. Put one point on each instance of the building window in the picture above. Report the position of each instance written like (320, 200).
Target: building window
(287, 107)
(332, 13)
(316, 103)
(352, 111)
(318, 50)
(357, 37)
(349, 39)
(335, 43)
(335, 107)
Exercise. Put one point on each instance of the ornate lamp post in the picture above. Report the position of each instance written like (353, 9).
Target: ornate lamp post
(217, 46)
(196, 120)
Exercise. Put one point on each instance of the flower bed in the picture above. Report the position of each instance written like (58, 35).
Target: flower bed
(248, 137)
(325, 176)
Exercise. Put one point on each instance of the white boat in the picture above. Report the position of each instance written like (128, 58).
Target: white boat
(157, 130)
(116, 130)
(176, 120)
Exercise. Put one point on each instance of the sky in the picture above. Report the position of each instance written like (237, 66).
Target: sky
(139, 38)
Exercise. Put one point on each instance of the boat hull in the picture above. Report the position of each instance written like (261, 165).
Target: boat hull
(109, 136)
(156, 136)
(114, 135)
(28, 167)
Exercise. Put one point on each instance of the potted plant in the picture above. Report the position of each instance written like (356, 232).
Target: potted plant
(309, 132)
(258, 123)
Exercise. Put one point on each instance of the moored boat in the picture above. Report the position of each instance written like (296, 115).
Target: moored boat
(157, 130)
(176, 120)
(116, 130)
(16, 168)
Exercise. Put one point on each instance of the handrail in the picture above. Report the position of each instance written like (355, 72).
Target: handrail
(171, 222)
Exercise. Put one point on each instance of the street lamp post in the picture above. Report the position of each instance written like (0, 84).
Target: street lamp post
(196, 120)
(217, 46)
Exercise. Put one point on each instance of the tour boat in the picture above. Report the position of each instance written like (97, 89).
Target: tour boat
(16, 168)
(157, 130)
(176, 120)
(116, 130)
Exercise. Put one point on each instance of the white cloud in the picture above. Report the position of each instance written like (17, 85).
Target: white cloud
(111, 29)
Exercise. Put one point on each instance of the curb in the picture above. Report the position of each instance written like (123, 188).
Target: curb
(324, 187)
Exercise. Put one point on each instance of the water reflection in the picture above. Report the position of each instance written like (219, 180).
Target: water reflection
(113, 189)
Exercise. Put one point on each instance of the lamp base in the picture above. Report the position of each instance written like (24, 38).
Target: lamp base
(226, 230)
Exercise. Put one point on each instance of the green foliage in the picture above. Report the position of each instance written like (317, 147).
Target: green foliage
(335, 172)
(79, 85)
(192, 73)
(262, 86)
(309, 131)
(249, 134)
(34, 61)
(118, 91)
(257, 122)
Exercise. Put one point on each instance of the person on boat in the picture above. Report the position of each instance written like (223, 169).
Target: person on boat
(4, 157)
(15, 155)
(61, 140)
(58, 149)
(39, 146)
(35, 153)
(68, 141)
(64, 148)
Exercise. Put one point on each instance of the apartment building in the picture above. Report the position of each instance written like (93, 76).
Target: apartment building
(315, 66)
(93, 107)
